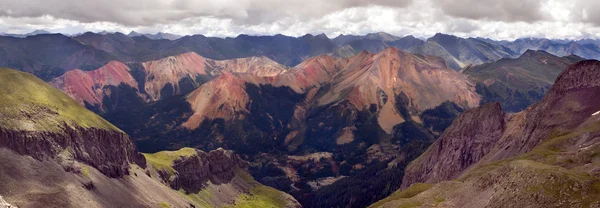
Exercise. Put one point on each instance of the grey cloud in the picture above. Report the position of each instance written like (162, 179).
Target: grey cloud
(462, 26)
(153, 12)
(495, 10)
(587, 11)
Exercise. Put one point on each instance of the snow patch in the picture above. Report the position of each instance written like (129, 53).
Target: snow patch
(4, 204)
(596, 113)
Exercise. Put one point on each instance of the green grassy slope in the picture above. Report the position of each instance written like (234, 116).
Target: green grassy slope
(518, 83)
(28, 103)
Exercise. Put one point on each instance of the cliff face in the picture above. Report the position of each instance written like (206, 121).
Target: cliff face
(108, 151)
(465, 142)
(219, 166)
(570, 102)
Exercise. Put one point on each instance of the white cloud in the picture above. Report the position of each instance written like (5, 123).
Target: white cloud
(493, 19)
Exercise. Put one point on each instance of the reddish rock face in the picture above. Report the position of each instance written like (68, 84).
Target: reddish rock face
(363, 80)
(484, 135)
(223, 97)
(89, 86)
(173, 69)
(470, 137)
(170, 70)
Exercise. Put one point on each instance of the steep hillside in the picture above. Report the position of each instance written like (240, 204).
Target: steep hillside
(521, 82)
(545, 156)
(58, 154)
(90, 87)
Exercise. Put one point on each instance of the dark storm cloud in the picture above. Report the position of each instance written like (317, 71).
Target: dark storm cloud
(495, 10)
(152, 12)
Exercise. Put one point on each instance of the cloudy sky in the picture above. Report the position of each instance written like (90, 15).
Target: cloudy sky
(496, 19)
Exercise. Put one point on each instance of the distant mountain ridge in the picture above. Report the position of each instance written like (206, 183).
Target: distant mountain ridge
(35, 32)
(156, 36)
(50, 55)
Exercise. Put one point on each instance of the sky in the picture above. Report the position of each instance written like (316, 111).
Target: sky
(495, 19)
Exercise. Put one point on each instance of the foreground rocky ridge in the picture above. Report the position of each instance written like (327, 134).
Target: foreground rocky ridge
(553, 145)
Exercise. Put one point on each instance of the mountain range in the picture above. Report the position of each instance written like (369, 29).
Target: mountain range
(406, 100)
(341, 122)
(156, 36)
(51, 55)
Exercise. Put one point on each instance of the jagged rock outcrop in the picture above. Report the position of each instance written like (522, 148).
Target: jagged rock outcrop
(111, 152)
(470, 137)
(218, 178)
(218, 166)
